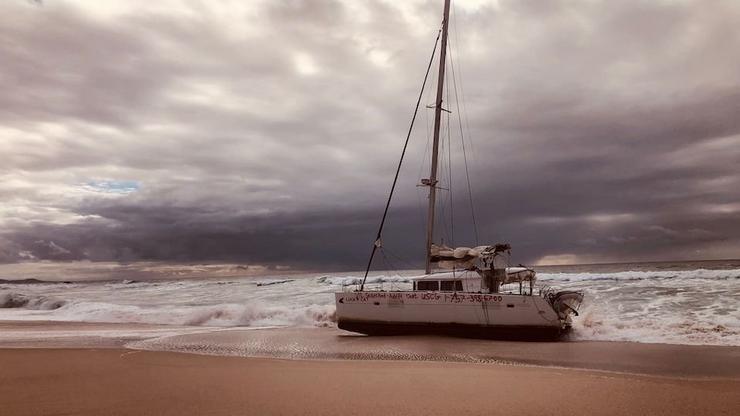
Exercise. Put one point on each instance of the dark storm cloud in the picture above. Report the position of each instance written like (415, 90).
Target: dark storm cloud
(268, 132)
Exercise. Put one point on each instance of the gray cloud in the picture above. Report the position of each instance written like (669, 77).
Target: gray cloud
(268, 132)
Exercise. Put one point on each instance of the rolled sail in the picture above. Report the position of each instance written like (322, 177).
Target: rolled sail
(465, 257)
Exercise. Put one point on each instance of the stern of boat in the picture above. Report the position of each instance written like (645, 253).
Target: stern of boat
(566, 304)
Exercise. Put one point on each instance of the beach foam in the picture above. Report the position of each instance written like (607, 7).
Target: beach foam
(356, 280)
(641, 275)
(222, 315)
(665, 306)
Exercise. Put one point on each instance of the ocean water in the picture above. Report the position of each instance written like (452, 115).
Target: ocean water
(695, 303)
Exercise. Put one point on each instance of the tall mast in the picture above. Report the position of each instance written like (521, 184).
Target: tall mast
(435, 147)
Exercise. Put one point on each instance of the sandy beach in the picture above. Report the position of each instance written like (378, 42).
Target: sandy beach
(343, 207)
(126, 382)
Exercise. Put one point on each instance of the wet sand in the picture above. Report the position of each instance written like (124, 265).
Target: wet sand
(331, 372)
(694, 361)
(61, 334)
(685, 361)
(115, 381)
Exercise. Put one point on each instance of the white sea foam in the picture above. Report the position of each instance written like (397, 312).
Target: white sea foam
(595, 324)
(641, 275)
(684, 307)
(356, 280)
(261, 315)
(222, 315)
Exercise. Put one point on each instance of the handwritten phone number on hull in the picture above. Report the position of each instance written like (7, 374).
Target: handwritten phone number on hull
(423, 296)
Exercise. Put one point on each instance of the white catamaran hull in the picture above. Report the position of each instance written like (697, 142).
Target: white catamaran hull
(494, 315)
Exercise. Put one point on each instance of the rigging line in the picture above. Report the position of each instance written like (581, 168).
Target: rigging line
(422, 164)
(462, 89)
(445, 174)
(428, 127)
(404, 262)
(386, 262)
(419, 206)
(390, 268)
(465, 156)
(449, 172)
(440, 220)
(428, 122)
(387, 266)
(460, 70)
(400, 162)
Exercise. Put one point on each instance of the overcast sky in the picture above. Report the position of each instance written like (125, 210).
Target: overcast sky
(267, 132)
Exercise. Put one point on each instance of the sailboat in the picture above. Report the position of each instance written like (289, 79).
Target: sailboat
(480, 297)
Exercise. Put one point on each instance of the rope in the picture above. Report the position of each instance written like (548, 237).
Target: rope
(376, 243)
(449, 172)
(465, 156)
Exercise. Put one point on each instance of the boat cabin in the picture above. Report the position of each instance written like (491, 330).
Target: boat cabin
(509, 280)
(465, 281)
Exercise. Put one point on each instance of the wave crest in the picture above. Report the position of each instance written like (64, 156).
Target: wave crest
(641, 275)
(19, 300)
(595, 324)
(221, 315)
(261, 315)
(355, 280)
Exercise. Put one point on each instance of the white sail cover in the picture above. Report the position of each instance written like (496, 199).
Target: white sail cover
(458, 253)
(467, 257)
(460, 257)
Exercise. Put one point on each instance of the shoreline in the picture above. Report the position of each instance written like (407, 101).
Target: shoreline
(142, 369)
(330, 344)
(122, 381)
(502, 363)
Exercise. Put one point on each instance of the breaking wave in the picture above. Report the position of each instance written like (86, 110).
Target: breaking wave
(596, 323)
(220, 315)
(18, 300)
(356, 280)
(273, 282)
(629, 275)
(261, 315)
(641, 275)
(698, 306)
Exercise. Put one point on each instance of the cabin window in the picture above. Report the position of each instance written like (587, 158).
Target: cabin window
(451, 285)
(428, 285)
